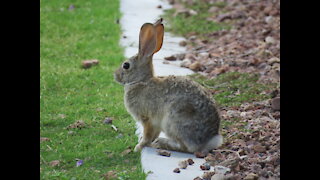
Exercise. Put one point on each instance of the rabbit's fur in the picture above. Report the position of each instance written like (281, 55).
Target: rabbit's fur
(178, 106)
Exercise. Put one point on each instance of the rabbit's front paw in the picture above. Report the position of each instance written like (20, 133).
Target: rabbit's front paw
(138, 148)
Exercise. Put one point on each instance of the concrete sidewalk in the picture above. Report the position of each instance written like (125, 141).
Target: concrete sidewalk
(135, 14)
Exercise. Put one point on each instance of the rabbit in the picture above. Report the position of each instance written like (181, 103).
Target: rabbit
(175, 105)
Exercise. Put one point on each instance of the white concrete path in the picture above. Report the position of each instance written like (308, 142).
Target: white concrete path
(135, 14)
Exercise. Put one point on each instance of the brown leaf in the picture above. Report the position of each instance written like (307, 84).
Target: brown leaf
(54, 163)
(44, 139)
(78, 124)
(125, 152)
(110, 175)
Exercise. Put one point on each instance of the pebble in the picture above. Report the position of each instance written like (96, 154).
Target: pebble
(190, 161)
(176, 170)
(170, 58)
(183, 164)
(164, 153)
(205, 166)
(259, 148)
(273, 60)
(270, 40)
(108, 120)
(185, 63)
(221, 169)
(195, 66)
(251, 176)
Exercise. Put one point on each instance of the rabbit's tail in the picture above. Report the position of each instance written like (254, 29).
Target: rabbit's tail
(214, 143)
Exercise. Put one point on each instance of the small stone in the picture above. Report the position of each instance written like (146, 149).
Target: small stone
(86, 64)
(273, 60)
(203, 55)
(199, 154)
(218, 177)
(164, 153)
(221, 169)
(190, 161)
(197, 178)
(159, 6)
(192, 12)
(270, 40)
(182, 43)
(275, 104)
(192, 38)
(195, 66)
(268, 19)
(205, 166)
(185, 63)
(183, 164)
(251, 176)
(108, 120)
(54, 163)
(176, 170)
(259, 148)
(208, 175)
(170, 58)
(165, 62)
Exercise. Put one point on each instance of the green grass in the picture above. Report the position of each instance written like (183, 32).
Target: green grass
(234, 88)
(185, 25)
(70, 93)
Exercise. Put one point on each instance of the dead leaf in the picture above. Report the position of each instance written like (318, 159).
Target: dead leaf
(54, 163)
(44, 139)
(125, 152)
(110, 175)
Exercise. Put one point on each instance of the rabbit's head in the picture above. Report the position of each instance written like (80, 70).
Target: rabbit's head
(139, 67)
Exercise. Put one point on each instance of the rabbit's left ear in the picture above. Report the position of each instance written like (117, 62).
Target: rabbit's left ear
(159, 34)
(147, 40)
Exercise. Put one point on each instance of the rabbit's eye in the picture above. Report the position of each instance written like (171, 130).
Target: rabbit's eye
(126, 65)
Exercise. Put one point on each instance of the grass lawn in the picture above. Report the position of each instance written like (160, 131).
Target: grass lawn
(70, 93)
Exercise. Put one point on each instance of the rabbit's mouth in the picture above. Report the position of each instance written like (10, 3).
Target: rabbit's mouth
(118, 77)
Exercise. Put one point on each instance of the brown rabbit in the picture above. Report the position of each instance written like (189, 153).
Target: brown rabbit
(178, 106)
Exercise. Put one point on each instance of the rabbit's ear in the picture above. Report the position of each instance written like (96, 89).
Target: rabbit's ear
(160, 32)
(147, 40)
